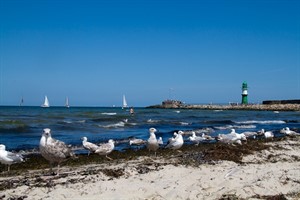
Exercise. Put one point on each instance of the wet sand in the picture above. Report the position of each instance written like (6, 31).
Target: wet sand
(259, 169)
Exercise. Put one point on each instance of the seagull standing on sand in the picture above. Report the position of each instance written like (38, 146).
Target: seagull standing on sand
(250, 134)
(228, 139)
(196, 139)
(160, 141)
(106, 148)
(177, 142)
(137, 142)
(91, 147)
(267, 134)
(152, 142)
(287, 131)
(53, 150)
(9, 158)
(237, 136)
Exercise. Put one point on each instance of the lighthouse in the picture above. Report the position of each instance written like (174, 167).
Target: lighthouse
(244, 93)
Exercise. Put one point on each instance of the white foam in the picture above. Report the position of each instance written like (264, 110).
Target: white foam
(117, 125)
(184, 123)
(108, 113)
(235, 127)
(152, 121)
(262, 122)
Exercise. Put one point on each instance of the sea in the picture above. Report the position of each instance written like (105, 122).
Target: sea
(21, 127)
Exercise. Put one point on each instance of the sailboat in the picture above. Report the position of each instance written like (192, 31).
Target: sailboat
(124, 102)
(22, 101)
(67, 103)
(46, 103)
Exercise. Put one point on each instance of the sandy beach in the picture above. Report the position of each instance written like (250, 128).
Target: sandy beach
(256, 170)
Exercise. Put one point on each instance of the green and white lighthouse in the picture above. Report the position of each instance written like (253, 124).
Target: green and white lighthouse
(244, 93)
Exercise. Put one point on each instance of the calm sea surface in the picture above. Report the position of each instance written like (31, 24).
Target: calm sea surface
(21, 127)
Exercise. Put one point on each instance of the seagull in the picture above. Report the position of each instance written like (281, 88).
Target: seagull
(207, 137)
(137, 142)
(228, 139)
(160, 141)
(152, 143)
(53, 150)
(106, 148)
(239, 136)
(267, 134)
(196, 139)
(172, 139)
(91, 147)
(9, 158)
(177, 142)
(250, 134)
(287, 131)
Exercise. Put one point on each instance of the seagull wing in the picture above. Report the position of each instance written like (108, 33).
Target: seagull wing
(15, 157)
(104, 149)
(90, 146)
(58, 149)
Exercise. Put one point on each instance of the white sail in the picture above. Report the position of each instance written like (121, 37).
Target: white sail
(46, 103)
(124, 102)
(67, 103)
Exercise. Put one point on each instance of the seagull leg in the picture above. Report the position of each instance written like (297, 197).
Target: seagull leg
(57, 172)
(108, 157)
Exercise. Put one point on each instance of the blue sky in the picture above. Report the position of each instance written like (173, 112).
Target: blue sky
(195, 51)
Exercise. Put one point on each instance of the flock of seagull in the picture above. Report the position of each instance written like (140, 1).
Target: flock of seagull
(56, 151)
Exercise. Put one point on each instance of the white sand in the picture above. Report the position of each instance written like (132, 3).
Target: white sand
(269, 172)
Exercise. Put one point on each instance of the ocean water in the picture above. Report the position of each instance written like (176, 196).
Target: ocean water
(21, 127)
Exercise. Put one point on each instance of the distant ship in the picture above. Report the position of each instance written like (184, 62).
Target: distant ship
(124, 102)
(46, 103)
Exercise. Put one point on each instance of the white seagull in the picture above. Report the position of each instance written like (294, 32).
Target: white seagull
(137, 142)
(240, 136)
(228, 139)
(106, 148)
(267, 134)
(287, 131)
(53, 150)
(160, 141)
(152, 142)
(9, 158)
(196, 139)
(91, 147)
(177, 142)
(250, 134)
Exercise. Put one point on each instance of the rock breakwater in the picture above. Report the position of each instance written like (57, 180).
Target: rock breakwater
(263, 107)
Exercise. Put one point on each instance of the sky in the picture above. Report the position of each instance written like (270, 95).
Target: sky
(196, 51)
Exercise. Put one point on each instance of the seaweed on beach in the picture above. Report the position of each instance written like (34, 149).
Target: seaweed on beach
(230, 197)
(212, 153)
(14, 197)
(270, 197)
(115, 173)
(265, 197)
(188, 155)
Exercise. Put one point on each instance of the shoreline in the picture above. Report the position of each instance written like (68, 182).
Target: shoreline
(258, 169)
(256, 107)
